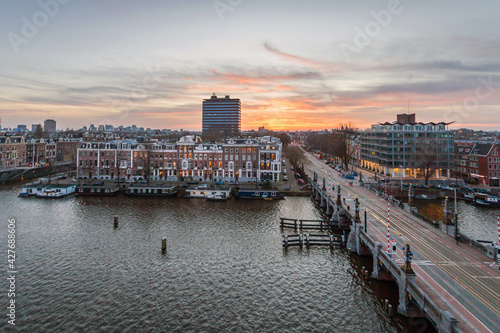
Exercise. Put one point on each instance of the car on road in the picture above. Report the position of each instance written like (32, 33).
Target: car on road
(219, 183)
(285, 177)
(291, 167)
(301, 182)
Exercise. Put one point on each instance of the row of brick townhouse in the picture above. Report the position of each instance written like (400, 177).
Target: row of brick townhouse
(243, 160)
(477, 162)
(17, 151)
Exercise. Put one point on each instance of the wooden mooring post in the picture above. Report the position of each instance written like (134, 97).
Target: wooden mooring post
(163, 245)
(115, 222)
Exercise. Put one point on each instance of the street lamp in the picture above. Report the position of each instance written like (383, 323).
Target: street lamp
(456, 215)
(366, 224)
(401, 167)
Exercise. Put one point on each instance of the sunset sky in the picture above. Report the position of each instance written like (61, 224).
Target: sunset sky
(294, 64)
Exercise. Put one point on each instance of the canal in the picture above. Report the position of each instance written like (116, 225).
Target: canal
(473, 221)
(225, 269)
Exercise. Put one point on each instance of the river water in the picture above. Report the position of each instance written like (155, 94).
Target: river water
(224, 271)
(478, 223)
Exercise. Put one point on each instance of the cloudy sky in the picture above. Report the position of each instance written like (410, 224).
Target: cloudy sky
(294, 64)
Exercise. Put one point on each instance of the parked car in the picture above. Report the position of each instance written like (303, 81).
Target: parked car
(98, 184)
(219, 183)
(300, 182)
(193, 182)
(285, 177)
(143, 181)
(291, 167)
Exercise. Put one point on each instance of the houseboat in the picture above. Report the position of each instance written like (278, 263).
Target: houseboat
(260, 194)
(486, 200)
(208, 193)
(425, 196)
(30, 190)
(96, 190)
(151, 191)
(56, 191)
(218, 195)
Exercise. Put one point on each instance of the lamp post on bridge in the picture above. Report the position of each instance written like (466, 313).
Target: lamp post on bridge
(456, 215)
(356, 209)
(401, 167)
(366, 223)
(408, 257)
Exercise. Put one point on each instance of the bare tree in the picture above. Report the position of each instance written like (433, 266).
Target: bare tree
(426, 157)
(294, 154)
(38, 132)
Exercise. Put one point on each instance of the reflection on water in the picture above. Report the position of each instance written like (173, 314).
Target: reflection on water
(473, 221)
(225, 269)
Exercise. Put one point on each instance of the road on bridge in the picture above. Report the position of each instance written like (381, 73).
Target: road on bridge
(465, 280)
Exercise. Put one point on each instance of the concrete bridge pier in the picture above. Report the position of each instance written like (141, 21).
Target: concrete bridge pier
(322, 200)
(379, 273)
(317, 195)
(328, 206)
(352, 239)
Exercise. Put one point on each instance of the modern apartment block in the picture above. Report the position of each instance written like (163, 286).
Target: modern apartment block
(243, 160)
(400, 147)
(222, 115)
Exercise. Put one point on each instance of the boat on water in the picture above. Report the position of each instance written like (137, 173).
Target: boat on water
(486, 200)
(260, 194)
(218, 196)
(93, 190)
(30, 190)
(206, 193)
(425, 196)
(469, 196)
(56, 191)
(151, 191)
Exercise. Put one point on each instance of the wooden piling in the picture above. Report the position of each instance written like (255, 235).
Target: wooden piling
(115, 223)
(386, 305)
(390, 312)
(164, 245)
(366, 274)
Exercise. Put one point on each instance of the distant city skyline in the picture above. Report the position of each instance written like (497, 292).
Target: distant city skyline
(293, 64)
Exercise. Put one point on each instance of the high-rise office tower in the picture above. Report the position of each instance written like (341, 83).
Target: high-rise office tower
(222, 115)
(49, 125)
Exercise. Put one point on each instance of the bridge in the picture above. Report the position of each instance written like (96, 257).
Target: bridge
(454, 285)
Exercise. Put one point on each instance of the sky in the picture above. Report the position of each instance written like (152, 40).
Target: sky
(295, 65)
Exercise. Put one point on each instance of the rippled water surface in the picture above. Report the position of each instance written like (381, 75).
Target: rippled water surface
(473, 221)
(225, 269)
